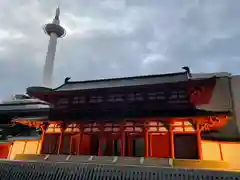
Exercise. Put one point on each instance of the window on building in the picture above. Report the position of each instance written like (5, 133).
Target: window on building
(79, 100)
(96, 99)
(116, 98)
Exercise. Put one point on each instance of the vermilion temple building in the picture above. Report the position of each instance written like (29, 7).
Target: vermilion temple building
(178, 115)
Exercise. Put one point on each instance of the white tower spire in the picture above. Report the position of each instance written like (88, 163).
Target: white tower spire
(54, 30)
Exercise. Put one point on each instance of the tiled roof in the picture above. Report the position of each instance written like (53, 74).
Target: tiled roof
(123, 82)
(23, 104)
(15, 138)
(36, 118)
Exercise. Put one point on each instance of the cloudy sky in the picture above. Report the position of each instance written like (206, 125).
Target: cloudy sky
(114, 38)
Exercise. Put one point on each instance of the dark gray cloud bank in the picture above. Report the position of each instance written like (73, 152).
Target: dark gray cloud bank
(114, 38)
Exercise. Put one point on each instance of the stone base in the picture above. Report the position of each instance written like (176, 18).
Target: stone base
(108, 160)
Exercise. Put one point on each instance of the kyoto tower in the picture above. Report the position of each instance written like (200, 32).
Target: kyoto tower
(55, 31)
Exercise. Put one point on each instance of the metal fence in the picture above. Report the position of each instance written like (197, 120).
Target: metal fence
(26, 170)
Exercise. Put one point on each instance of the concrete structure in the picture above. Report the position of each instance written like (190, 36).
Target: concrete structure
(231, 97)
(54, 30)
(235, 88)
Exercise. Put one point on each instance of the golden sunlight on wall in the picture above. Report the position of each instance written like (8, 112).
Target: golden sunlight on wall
(24, 147)
(210, 150)
(231, 153)
(226, 151)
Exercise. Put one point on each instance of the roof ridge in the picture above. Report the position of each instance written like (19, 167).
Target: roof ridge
(121, 78)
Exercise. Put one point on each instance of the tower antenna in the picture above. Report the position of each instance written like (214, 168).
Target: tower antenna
(55, 31)
(59, 2)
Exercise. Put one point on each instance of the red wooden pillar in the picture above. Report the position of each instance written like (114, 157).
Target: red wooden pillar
(198, 134)
(60, 142)
(171, 138)
(70, 145)
(130, 145)
(43, 127)
(100, 146)
(10, 151)
(123, 144)
(80, 138)
(146, 140)
(42, 140)
(101, 141)
(122, 132)
(150, 145)
(109, 146)
(62, 129)
(79, 141)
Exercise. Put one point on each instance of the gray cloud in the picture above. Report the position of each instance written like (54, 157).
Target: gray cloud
(112, 38)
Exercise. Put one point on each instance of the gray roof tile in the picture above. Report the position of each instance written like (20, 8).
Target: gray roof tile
(123, 82)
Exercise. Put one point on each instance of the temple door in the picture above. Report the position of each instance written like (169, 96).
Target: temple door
(80, 144)
(186, 146)
(4, 150)
(50, 144)
(160, 145)
(109, 147)
(66, 144)
(112, 146)
(136, 145)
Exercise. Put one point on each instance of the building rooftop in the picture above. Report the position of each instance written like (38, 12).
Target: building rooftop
(123, 82)
(136, 80)
(23, 102)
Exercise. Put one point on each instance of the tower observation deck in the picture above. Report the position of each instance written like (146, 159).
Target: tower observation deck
(55, 31)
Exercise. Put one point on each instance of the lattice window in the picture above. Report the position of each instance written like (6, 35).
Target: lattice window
(108, 127)
(178, 96)
(174, 95)
(96, 99)
(131, 97)
(53, 128)
(72, 128)
(183, 126)
(133, 127)
(178, 126)
(79, 100)
(91, 127)
(139, 97)
(116, 98)
(182, 94)
(156, 126)
(62, 103)
(156, 96)
(135, 97)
